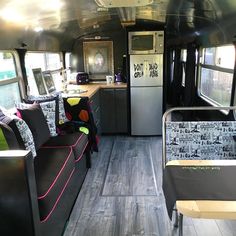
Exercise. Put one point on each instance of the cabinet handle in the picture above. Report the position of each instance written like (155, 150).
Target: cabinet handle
(121, 89)
(107, 89)
(97, 110)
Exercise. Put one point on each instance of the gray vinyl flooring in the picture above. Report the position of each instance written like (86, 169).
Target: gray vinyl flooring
(122, 195)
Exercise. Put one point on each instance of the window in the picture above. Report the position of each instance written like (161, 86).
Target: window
(172, 64)
(68, 60)
(183, 64)
(68, 64)
(47, 61)
(71, 66)
(9, 82)
(216, 72)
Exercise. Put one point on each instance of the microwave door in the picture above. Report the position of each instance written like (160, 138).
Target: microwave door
(146, 70)
(146, 42)
(142, 43)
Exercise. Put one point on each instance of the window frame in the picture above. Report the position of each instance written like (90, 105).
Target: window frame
(214, 68)
(18, 78)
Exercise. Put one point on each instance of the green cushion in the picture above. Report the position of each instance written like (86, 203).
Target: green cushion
(3, 142)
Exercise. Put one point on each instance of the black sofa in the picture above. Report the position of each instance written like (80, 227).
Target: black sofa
(37, 194)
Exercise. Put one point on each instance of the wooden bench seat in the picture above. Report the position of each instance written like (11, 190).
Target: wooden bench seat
(208, 209)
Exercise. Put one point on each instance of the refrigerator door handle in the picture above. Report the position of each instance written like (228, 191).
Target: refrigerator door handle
(145, 68)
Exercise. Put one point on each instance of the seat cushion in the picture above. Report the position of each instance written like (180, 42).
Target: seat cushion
(78, 141)
(53, 169)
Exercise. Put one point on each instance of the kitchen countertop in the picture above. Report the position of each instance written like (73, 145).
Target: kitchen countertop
(91, 88)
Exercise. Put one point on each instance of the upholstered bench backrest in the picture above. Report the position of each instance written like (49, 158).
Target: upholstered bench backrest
(204, 140)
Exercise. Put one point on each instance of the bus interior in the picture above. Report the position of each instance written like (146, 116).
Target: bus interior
(117, 117)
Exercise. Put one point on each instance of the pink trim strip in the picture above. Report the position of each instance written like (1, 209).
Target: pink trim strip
(78, 140)
(58, 175)
(59, 197)
(82, 153)
(65, 146)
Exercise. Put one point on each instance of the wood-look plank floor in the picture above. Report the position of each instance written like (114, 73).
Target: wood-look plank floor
(124, 176)
(122, 195)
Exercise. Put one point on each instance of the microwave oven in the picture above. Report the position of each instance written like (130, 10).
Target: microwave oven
(146, 42)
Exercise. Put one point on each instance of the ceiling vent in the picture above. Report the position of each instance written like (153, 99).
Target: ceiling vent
(127, 16)
(123, 3)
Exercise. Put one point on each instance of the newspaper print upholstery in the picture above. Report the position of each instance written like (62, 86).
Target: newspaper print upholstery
(206, 140)
(26, 135)
(49, 111)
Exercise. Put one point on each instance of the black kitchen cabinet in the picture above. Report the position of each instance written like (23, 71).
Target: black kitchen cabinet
(95, 106)
(108, 110)
(113, 110)
(121, 110)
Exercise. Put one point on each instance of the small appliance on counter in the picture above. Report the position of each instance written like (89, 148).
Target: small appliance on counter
(82, 78)
(118, 78)
(110, 79)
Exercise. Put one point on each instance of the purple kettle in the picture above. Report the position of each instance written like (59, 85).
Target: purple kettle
(118, 78)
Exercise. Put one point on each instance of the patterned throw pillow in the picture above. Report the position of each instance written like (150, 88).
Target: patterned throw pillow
(46, 98)
(37, 123)
(49, 112)
(62, 114)
(61, 109)
(26, 135)
(21, 131)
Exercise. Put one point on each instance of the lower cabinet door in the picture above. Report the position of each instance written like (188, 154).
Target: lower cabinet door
(121, 110)
(108, 117)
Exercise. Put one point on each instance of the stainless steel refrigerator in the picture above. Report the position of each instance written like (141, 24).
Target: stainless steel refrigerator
(146, 91)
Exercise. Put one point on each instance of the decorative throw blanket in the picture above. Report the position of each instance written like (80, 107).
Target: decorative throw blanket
(78, 112)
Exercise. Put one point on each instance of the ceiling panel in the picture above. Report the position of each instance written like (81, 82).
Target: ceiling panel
(70, 19)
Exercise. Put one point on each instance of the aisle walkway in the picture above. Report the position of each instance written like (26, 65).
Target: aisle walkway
(122, 195)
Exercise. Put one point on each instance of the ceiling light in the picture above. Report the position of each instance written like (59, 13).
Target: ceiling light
(38, 29)
(97, 37)
(123, 3)
(102, 9)
(52, 5)
(11, 15)
(96, 26)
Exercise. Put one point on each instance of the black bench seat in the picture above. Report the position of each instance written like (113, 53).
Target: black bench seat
(77, 141)
(53, 170)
